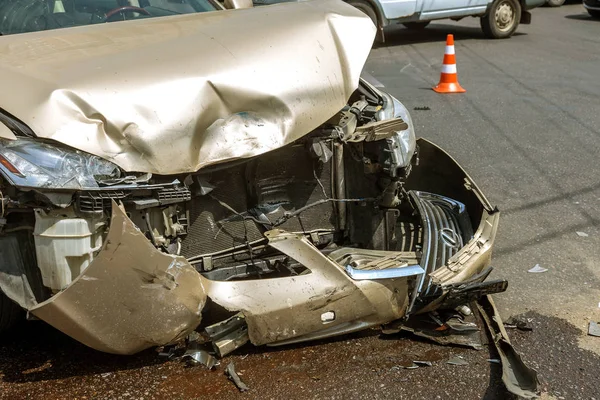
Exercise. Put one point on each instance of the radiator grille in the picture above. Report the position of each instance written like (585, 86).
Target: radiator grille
(446, 229)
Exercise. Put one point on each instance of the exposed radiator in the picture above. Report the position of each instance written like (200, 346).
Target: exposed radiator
(212, 226)
(272, 184)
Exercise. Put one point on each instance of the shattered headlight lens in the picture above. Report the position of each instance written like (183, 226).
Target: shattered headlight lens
(33, 163)
(404, 142)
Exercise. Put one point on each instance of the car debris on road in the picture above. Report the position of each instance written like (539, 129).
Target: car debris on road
(457, 360)
(594, 329)
(523, 324)
(235, 378)
(537, 269)
(200, 356)
(518, 378)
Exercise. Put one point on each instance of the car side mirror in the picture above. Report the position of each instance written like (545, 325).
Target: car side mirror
(236, 4)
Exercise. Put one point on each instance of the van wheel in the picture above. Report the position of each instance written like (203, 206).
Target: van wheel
(366, 8)
(10, 313)
(416, 26)
(370, 12)
(502, 19)
(594, 13)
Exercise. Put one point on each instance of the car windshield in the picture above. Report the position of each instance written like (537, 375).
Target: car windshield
(18, 16)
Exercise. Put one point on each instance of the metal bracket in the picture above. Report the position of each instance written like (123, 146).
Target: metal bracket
(228, 335)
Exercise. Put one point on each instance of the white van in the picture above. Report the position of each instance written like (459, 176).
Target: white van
(499, 18)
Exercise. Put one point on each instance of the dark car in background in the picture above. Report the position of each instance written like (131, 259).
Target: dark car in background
(592, 7)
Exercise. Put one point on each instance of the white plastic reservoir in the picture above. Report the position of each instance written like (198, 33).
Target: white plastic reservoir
(65, 245)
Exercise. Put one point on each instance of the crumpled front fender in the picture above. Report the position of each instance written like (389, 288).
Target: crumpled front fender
(130, 298)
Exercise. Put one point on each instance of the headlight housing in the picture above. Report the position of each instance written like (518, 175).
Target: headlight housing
(32, 163)
(404, 143)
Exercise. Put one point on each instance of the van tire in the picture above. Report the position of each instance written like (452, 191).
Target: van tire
(502, 19)
(594, 13)
(416, 26)
(10, 313)
(365, 8)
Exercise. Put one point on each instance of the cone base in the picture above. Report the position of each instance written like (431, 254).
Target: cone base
(448, 88)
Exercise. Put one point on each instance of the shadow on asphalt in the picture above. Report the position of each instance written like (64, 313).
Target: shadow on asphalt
(566, 370)
(35, 351)
(397, 35)
(495, 389)
(583, 17)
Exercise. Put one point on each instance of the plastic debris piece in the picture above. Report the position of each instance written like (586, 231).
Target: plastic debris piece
(461, 326)
(518, 323)
(194, 337)
(168, 352)
(423, 363)
(198, 356)
(537, 269)
(425, 326)
(494, 361)
(235, 378)
(594, 329)
(457, 360)
(518, 378)
(582, 234)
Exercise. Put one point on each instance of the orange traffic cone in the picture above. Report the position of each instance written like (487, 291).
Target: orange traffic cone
(449, 78)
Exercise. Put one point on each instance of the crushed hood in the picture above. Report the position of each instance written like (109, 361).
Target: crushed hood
(174, 94)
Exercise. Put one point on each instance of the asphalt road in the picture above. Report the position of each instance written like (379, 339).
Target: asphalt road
(528, 132)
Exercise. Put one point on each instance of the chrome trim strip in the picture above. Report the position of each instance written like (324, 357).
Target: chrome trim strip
(388, 273)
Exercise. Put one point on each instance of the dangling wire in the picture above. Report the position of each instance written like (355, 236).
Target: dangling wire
(2, 201)
(320, 184)
(244, 218)
(287, 216)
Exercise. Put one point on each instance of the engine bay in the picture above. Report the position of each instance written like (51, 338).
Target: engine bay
(341, 185)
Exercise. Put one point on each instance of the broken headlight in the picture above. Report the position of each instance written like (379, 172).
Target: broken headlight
(404, 143)
(32, 163)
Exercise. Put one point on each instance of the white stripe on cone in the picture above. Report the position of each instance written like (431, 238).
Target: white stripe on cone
(450, 49)
(448, 69)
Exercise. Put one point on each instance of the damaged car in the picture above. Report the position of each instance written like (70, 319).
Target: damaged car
(198, 172)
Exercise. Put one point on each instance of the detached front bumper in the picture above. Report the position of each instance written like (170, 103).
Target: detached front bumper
(130, 298)
(133, 296)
